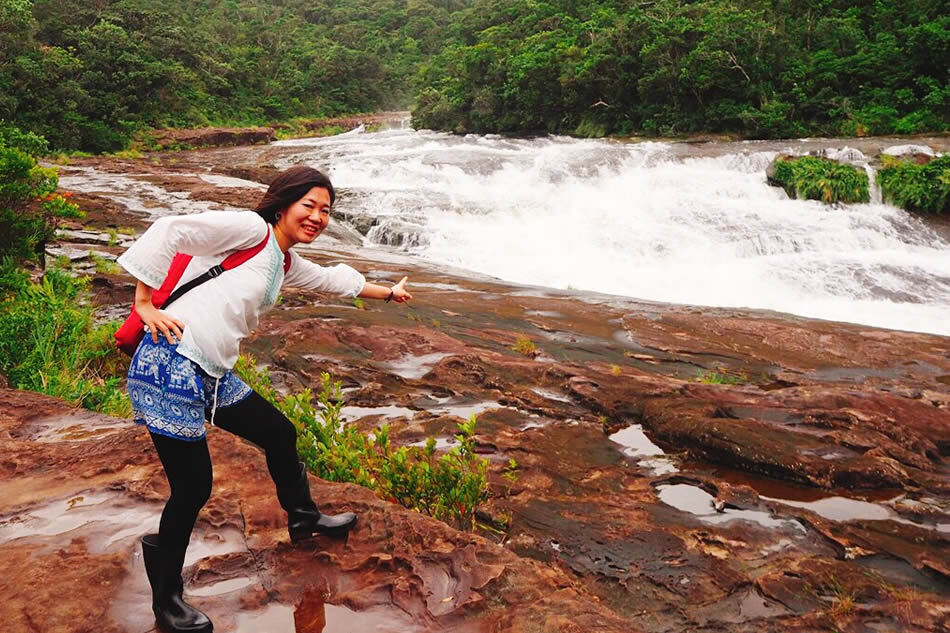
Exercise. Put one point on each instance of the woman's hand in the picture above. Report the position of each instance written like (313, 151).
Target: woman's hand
(158, 321)
(400, 294)
(397, 293)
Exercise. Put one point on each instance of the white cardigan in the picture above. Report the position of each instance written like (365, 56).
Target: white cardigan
(219, 313)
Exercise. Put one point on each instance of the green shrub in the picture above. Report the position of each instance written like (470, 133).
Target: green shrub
(524, 345)
(26, 142)
(721, 377)
(49, 343)
(914, 187)
(450, 487)
(29, 204)
(27, 225)
(813, 178)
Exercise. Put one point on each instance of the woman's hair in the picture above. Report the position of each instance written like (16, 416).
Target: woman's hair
(290, 186)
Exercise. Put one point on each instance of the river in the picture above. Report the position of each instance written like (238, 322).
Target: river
(668, 222)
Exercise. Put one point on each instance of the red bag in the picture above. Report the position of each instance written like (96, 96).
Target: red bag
(132, 330)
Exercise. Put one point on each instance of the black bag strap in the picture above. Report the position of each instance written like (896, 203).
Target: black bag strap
(194, 283)
(232, 261)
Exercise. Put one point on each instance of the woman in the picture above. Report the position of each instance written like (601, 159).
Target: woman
(181, 372)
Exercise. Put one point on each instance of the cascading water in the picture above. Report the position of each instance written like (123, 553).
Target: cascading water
(648, 220)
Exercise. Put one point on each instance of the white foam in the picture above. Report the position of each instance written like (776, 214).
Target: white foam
(643, 221)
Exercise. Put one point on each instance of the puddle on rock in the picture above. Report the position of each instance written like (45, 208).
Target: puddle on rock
(274, 618)
(550, 395)
(316, 617)
(343, 620)
(413, 367)
(638, 446)
(218, 543)
(535, 424)
(313, 616)
(124, 519)
(74, 426)
(697, 501)
(754, 606)
(467, 410)
(845, 509)
(441, 443)
(741, 607)
(220, 588)
(350, 413)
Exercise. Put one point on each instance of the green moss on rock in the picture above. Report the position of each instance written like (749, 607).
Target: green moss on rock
(922, 188)
(813, 178)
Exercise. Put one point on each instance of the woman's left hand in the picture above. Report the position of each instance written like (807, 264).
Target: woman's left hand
(400, 294)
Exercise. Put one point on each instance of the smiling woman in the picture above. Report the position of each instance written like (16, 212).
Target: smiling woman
(181, 374)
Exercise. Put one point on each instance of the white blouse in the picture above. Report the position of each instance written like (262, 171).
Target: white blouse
(219, 313)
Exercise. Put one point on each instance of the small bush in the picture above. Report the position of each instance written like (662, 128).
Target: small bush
(450, 487)
(29, 204)
(813, 178)
(27, 142)
(924, 188)
(721, 377)
(128, 154)
(24, 190)
(524, 345)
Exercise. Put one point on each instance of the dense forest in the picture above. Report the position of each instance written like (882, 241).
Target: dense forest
(764, 68)
(89, 75)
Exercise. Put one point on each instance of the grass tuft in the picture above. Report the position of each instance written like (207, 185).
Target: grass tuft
(813, 178)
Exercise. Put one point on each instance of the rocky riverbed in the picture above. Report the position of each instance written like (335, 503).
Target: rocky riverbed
(680, 468)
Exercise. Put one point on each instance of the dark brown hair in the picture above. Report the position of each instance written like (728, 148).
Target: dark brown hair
(290, 186)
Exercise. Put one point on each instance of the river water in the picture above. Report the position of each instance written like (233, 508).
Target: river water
(659, 221)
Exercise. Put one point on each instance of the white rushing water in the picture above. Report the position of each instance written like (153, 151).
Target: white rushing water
(644, 220)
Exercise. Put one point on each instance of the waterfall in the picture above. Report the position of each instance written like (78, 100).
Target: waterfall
(874, 188)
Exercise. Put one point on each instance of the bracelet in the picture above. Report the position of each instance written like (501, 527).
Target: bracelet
(392, 293)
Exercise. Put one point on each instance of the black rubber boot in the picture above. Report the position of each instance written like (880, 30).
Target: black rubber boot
(303, 517)
(172, 613)
(150, 556)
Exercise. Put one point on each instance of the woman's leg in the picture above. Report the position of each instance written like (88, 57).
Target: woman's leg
(187, 467)
(258, 421)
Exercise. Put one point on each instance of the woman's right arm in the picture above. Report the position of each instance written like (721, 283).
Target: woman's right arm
(211, 233)
(156, 320)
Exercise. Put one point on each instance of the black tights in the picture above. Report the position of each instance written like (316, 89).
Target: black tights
(188, 465)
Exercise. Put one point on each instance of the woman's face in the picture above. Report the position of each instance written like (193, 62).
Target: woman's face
(305, 219)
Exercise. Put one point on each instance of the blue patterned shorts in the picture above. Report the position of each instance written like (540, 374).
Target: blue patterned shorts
(172, 395)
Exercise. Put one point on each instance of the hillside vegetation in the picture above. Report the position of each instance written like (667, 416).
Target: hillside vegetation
(89, 75)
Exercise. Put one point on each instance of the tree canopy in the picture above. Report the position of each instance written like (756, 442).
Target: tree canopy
(88, 75)
(762, 68)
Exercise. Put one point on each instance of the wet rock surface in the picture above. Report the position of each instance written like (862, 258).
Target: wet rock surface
(679, 468)
(213, 136)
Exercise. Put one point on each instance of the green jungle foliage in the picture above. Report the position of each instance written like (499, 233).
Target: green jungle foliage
(763, 68)
(88, 75)
(29, 204)
(917, 187)
(450, 487)
(49, 342)
(813, 178)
